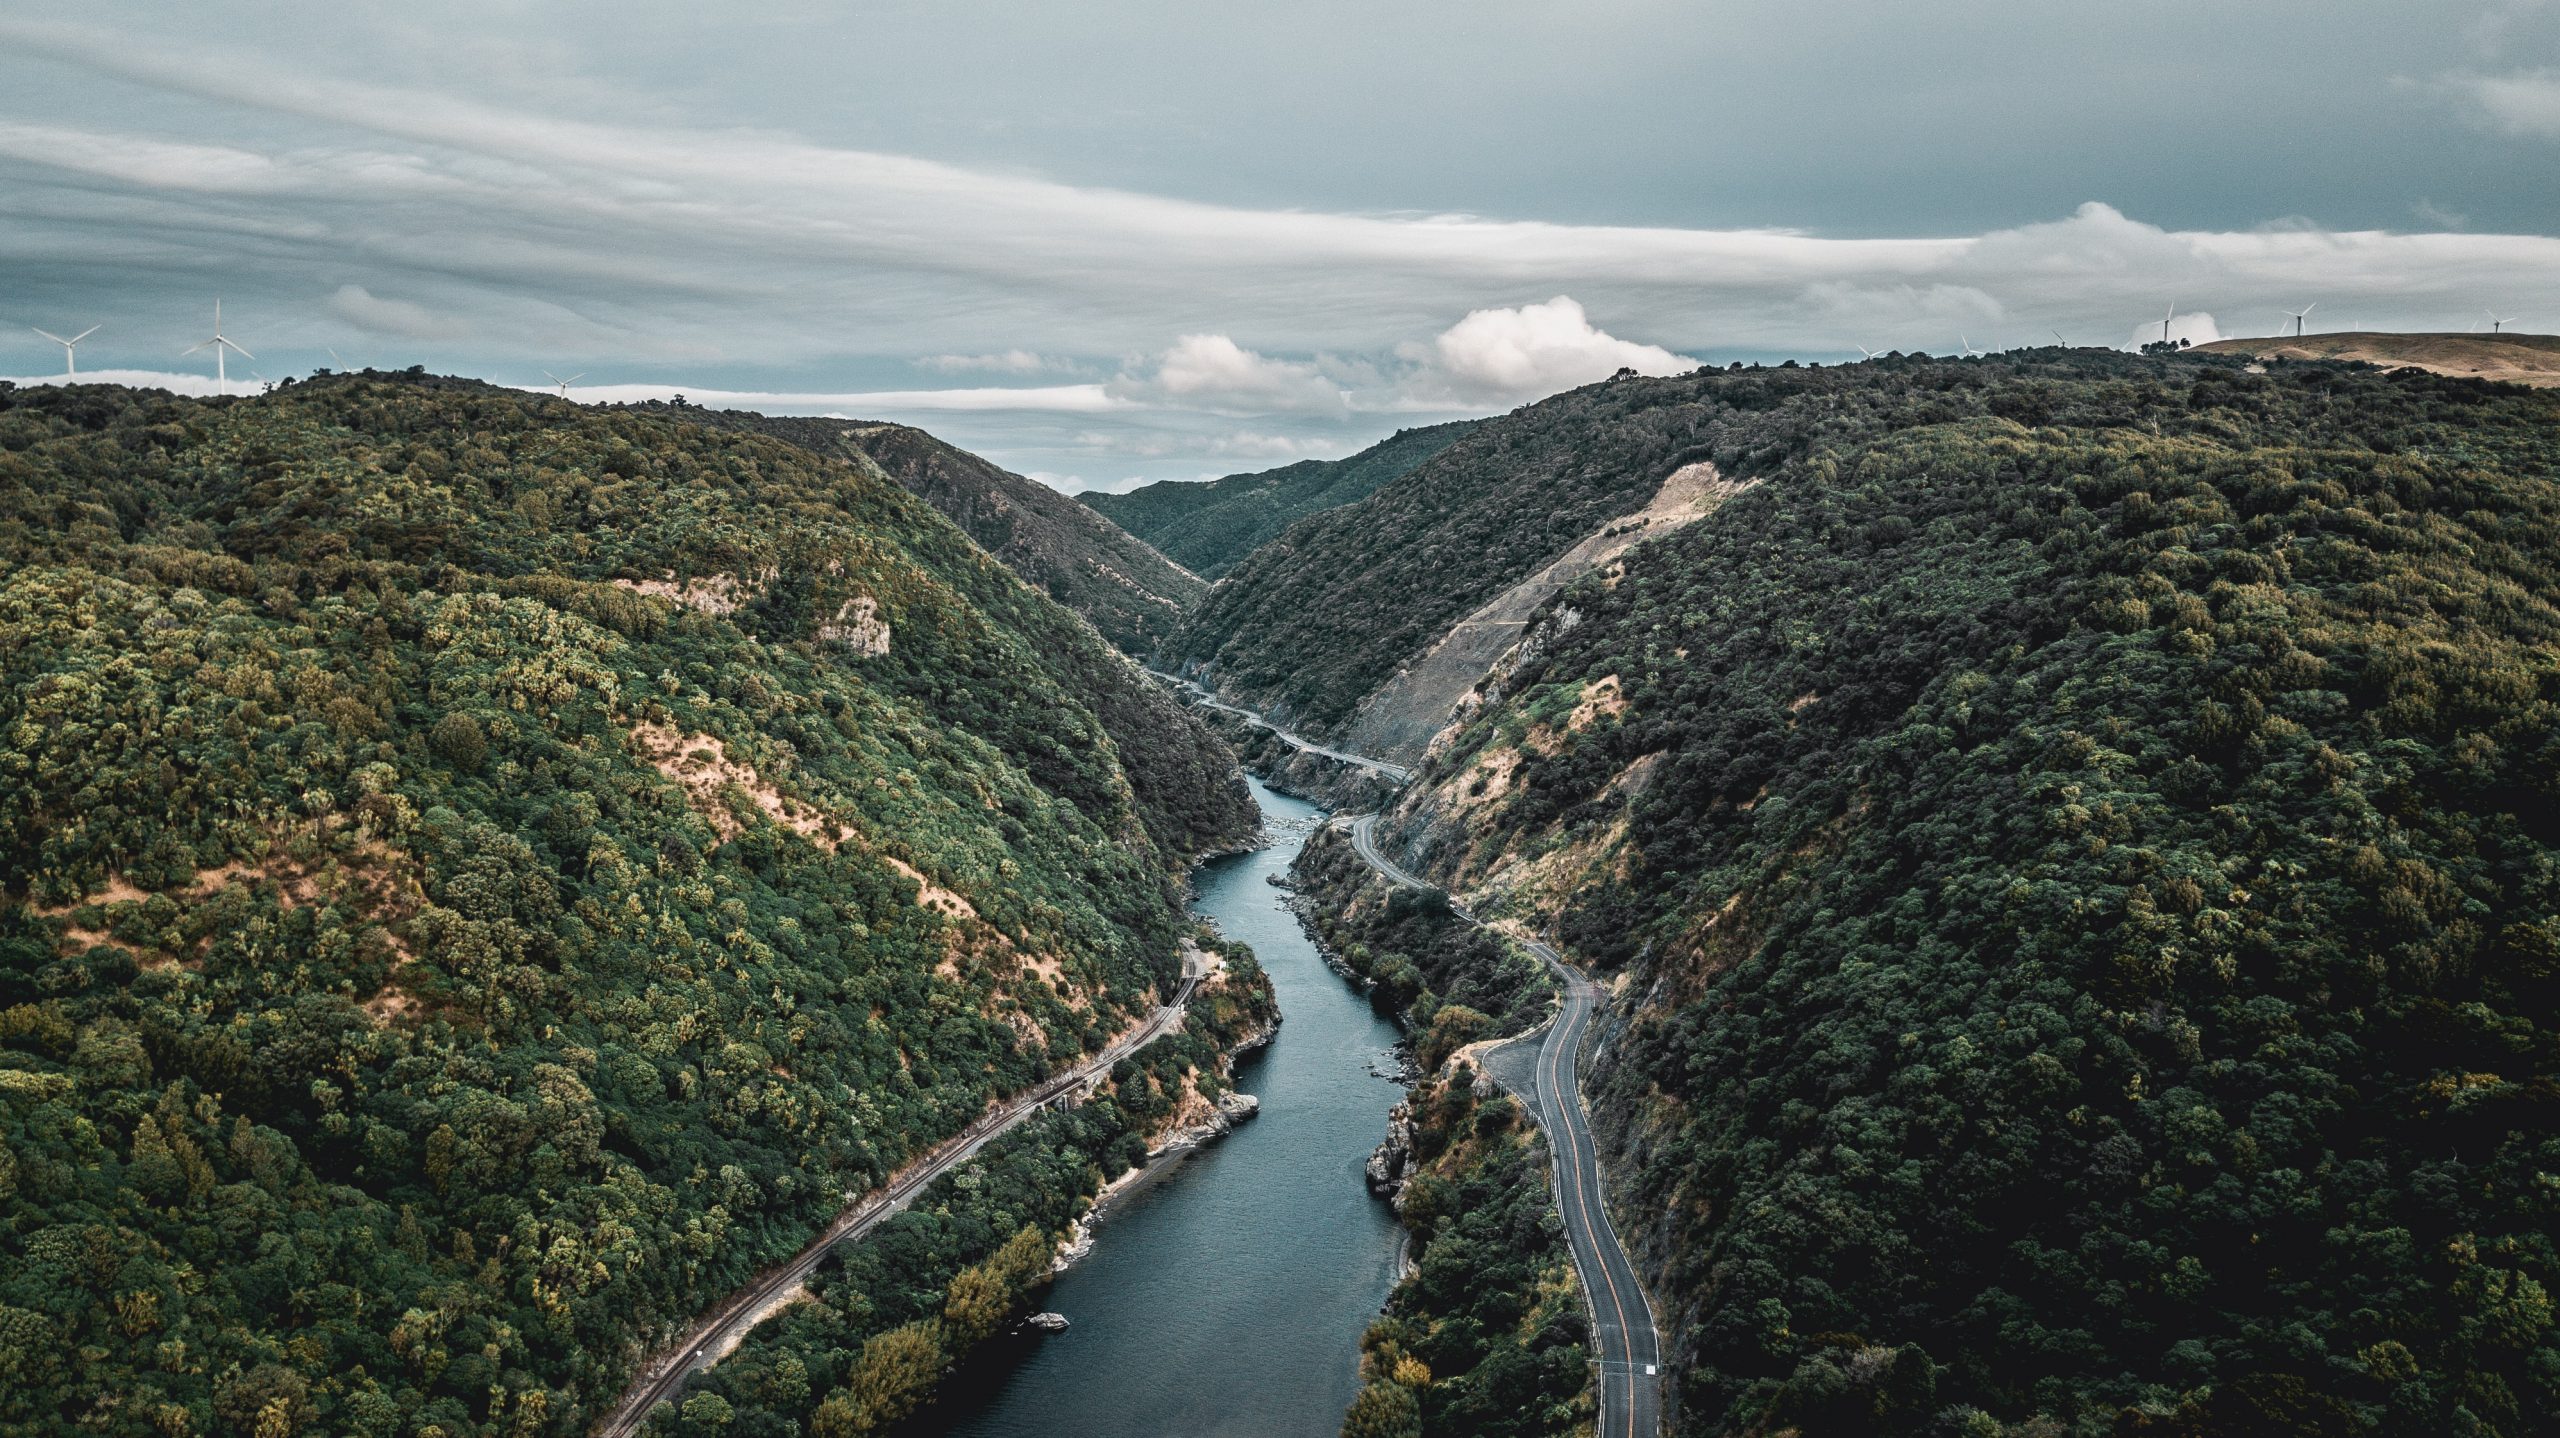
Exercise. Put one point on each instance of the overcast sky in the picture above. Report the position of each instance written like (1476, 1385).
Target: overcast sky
(1110, 243)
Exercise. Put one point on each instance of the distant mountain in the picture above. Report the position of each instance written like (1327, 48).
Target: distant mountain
(2514, 358)
(1129, 591)
(1208, 527)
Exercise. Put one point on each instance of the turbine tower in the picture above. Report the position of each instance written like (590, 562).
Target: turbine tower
(2164, 321)
(221, 376)
(564, 383)
(2297, 316)
(70, 358)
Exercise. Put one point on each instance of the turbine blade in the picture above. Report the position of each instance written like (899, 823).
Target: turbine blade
(235, 349)
(84, 334)
(48, 334)
(191, 349)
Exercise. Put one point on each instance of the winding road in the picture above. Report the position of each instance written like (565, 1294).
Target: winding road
(1206, 700)
(1628, 1347)
(718, 1331)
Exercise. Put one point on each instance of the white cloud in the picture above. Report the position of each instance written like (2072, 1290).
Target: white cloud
(2525, 103)
(361, 308)
(1241, 444)
(2196, 329)
(1215, 373)
(1510, 355)
(1022, 362)
(783, 273)
(174, 382)
(1046, 399)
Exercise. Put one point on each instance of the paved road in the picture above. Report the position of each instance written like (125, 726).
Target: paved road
(1206, 700)
(1623, 1336)
(721, 1327)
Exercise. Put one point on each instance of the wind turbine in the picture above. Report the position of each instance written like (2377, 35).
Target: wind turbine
(2497, 325)
(221, 376)
(564, 383)
(2058, 339)
(70, 360)
(1871, 354)
(2164, 321)
(2297, 316)
(1965, 348)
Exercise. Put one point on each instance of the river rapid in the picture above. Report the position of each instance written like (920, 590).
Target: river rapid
(1227, 1289)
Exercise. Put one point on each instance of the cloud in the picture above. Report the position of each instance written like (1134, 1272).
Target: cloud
(1022, 362)
(1046, 399)
(1241, 444)
(2196, 329)
(2525, 103)
(361, 308)
(142, 172)
(2439, 216)
(176, 383)
(1215, 373)
(1503, 355)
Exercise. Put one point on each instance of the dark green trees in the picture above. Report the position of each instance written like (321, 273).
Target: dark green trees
(2083, 832)
(478, 878)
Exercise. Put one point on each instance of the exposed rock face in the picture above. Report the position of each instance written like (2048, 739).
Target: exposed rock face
(1235, 1107)
(1046, 1322)
(1393, 1160)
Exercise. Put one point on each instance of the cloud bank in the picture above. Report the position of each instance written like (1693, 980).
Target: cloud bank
(746, 266)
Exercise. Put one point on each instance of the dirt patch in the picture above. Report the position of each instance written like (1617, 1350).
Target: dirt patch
(932, 895)
(1604, 698)
(1636, 777)
(714, 594)
(372, 880)
(702, 767)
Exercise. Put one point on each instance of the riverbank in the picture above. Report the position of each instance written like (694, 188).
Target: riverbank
(875, 1323)
(1488, 1332)
(1227, 1285)
(1168, 1148)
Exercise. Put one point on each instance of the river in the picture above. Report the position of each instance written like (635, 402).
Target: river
(1226, 1291)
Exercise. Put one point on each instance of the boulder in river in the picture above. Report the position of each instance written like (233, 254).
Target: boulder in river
(1386, 1167)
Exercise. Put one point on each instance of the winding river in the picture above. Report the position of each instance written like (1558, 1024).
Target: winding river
(1226, 1291)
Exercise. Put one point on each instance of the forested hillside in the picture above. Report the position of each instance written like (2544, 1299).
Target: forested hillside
(1207, 527)
(1309, 624)
(1087, 563)
(479, 877)
(2084, 837)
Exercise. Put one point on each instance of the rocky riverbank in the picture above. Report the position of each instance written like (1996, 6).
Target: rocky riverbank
(1186, 1130)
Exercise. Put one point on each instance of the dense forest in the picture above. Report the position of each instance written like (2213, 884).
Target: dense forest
(1128, 590)
(886, 1318)
(479, 877)
(2085, 835)
(1209, 526)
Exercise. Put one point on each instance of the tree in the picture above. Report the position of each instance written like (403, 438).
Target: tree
(1384, 1410)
